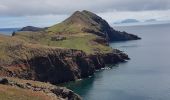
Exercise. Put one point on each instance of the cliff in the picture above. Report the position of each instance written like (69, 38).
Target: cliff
(54, 65)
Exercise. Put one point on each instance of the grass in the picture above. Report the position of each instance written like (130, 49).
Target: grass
(13, 93)
(72, 29)
(63, 28)
(33, 83)
(79, 41)
(5, 43)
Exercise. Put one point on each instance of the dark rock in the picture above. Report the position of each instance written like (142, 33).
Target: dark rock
(3, 81)
(102, 41)
(58, 38)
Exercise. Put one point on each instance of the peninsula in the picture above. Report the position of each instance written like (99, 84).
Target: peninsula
(70, 50)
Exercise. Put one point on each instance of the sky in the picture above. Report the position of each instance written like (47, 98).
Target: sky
(41, 13)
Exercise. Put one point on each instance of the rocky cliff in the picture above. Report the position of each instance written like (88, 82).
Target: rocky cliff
(55, 65)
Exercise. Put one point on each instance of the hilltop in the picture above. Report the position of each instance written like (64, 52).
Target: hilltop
(83, 30)
(88, 22)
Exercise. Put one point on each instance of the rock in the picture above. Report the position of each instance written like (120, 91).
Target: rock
(58, 38)
(3, 81)
(28, 84)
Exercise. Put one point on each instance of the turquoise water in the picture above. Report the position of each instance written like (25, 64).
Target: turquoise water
(144, 77)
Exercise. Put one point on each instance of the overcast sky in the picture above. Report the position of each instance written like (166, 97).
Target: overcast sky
(18, 13)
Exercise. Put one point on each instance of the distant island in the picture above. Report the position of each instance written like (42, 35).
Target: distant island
(126, 21)
(150, 20)
(68, 51)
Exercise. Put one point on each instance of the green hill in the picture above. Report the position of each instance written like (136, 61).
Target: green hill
(88, 22)
(82, 30)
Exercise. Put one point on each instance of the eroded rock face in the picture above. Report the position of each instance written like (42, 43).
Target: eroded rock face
(59, 65)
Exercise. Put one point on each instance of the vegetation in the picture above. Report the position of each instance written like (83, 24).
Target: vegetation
(79, 41)
(8, 92)
(13, 93)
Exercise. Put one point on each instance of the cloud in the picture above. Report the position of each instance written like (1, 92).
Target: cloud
(52, 7)
(117, 16)
(39, 21)
(19, 13)
(111, 17)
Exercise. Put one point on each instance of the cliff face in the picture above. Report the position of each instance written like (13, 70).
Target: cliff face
(56, 65)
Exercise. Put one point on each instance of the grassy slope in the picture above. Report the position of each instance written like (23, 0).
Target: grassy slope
(74, 24)
(80, 41)
(5, 43)
(73, 29)
(12, 93)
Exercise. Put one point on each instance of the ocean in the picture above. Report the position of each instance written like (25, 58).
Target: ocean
(8, 31)
(144, 77)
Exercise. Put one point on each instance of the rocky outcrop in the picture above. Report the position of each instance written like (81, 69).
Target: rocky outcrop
(56, 65)
(100, 60)
(102, 28)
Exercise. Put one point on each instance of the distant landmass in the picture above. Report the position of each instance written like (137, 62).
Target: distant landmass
(128, 21)
(31, 28)
(150, 20)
